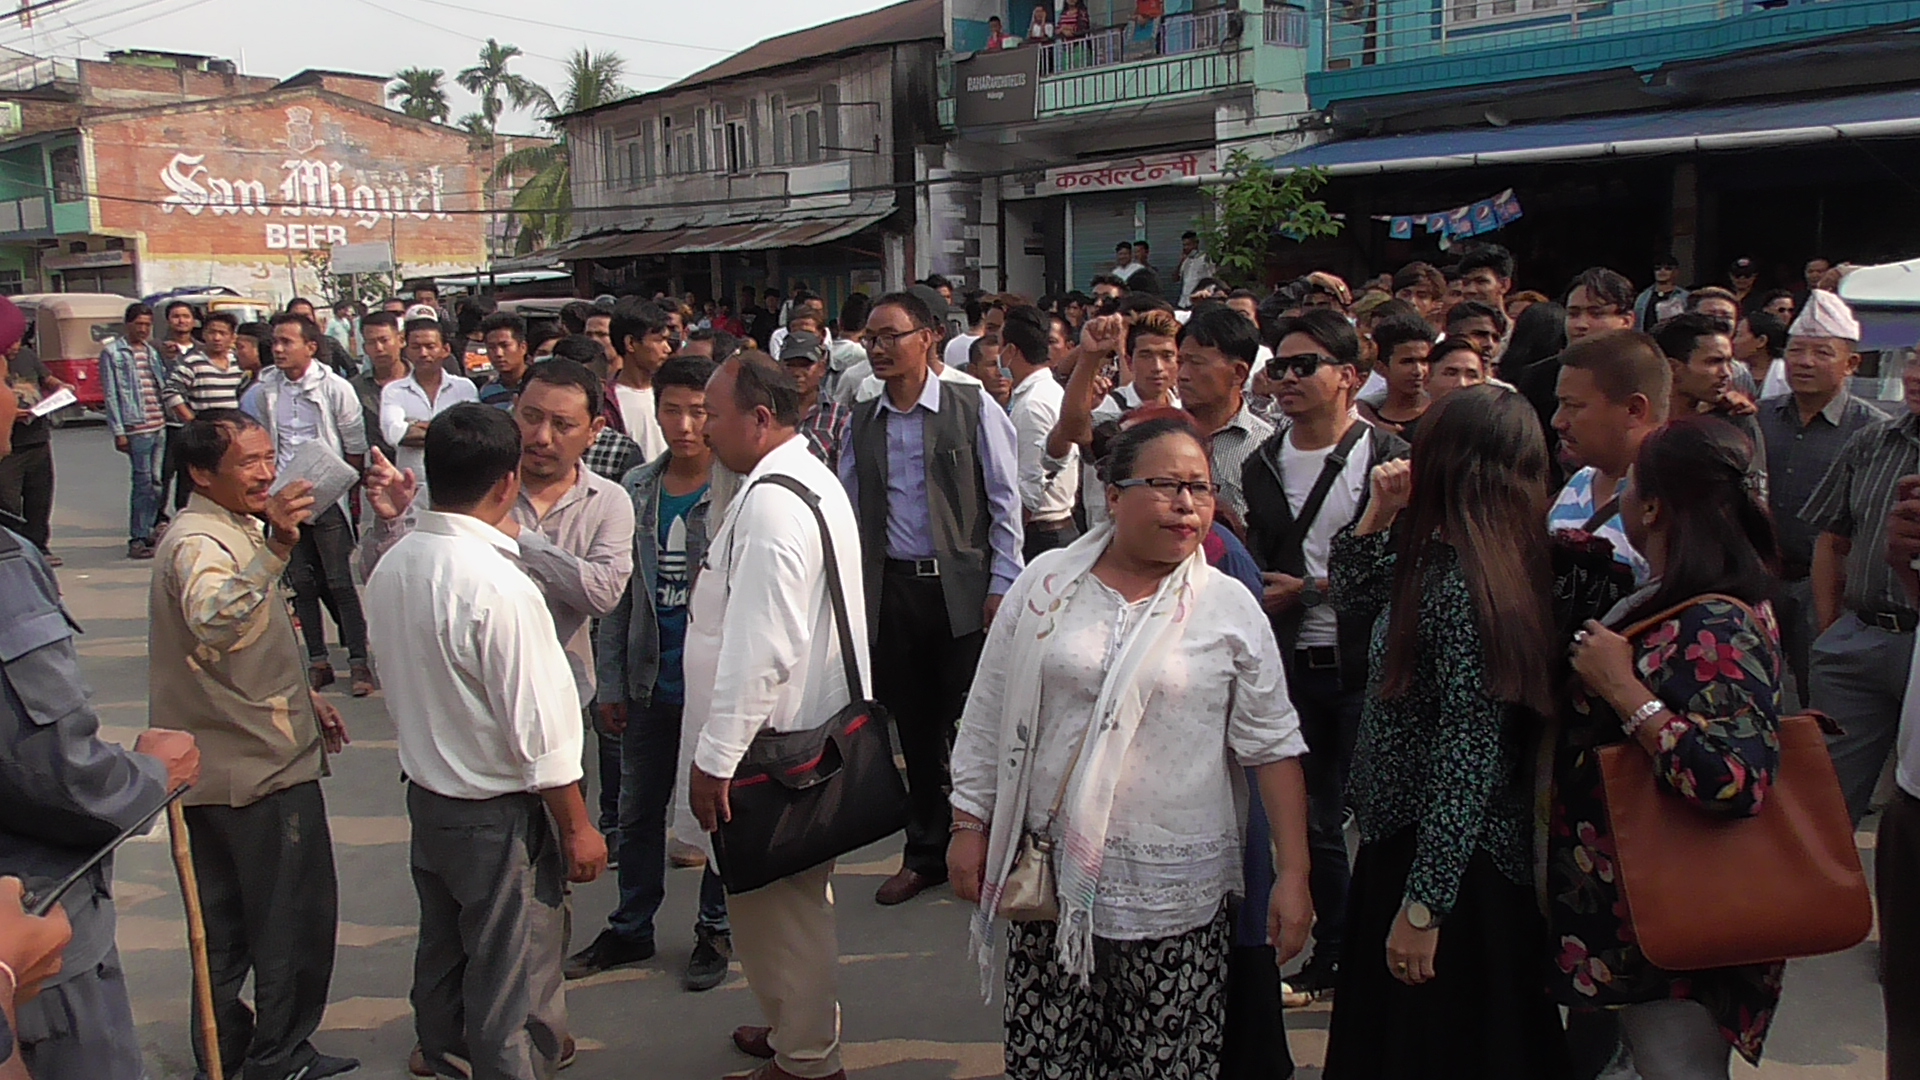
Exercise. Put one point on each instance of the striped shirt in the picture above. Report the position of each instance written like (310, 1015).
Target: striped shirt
(1232, 446)
(201, 384)
(152, 418)
(1854, 500)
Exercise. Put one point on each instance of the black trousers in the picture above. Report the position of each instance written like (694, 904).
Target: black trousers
(921, 672)
(271, 903)
(1041, 539)
(1330, 722)
(321, 571)
(172, 477)
(26, 489)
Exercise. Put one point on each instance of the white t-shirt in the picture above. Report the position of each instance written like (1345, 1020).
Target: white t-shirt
(956, 354)
(1300, 470)
(643, 427)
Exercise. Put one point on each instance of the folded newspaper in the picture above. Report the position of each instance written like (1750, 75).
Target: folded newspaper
(316, 463)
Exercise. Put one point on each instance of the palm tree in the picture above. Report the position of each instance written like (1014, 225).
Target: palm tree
(421, 92)
(544, 202)
(489, 79)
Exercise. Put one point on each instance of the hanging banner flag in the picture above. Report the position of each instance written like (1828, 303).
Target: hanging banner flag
(1482, 216)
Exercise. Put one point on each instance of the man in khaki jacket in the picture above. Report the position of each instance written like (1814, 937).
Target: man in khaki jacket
(223, 663)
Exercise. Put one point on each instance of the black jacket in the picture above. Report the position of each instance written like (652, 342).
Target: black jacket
(1268, 516)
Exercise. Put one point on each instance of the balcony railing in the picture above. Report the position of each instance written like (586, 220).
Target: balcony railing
(1176, 34)
(1287, 27)
(1367, 32)
(1163, 76)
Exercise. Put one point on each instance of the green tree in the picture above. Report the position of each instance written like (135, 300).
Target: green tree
(421, 92)
(1251, 207)
(544, 201)
(495, 85)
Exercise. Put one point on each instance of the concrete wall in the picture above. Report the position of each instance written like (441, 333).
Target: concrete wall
(250, 195)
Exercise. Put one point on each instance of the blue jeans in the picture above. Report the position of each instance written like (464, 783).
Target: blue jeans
(650, 766)
(148, 455)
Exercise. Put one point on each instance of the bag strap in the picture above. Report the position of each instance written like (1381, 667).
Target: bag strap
(1295, 534)
(836, 595)
(1600, 516)
(1652, 621)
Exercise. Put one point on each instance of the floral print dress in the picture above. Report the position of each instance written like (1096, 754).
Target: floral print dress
(1718, 672)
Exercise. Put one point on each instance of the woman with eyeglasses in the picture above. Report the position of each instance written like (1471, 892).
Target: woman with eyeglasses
(1441, 971)
(1123, 686)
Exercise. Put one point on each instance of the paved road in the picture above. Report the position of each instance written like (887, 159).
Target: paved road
(910, 996)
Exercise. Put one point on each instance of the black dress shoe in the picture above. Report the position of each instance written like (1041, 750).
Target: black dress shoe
(903, 887)
(608, 951)
(712, 954)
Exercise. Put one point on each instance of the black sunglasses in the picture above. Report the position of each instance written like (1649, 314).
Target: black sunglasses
(1303, 365)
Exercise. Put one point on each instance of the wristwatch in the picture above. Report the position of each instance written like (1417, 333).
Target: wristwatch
(1311, 595)
(1420, 916)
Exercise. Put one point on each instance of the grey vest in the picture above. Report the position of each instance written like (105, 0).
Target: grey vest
(956, 496)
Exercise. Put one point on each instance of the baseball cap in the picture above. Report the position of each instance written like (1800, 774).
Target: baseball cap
(1742, 267)
(422, 311)
(802, 345)
(934, 301)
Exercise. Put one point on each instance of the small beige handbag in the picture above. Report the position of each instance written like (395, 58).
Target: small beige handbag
(1029, 894)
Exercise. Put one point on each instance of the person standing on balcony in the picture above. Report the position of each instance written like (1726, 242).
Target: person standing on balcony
(1040, 30)
(1074, 20)
(996, 34)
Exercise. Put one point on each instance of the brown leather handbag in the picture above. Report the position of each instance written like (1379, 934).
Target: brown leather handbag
(1707, 892)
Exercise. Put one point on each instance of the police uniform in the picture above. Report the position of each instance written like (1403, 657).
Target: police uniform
(64, 794)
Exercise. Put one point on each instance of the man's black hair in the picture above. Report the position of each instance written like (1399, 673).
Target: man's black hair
(686, 372)
(174, 304)
(1474, 309)
(1488, 257)
(937, 281)
(1328, 328)
(563, 371)
(135, 310)
(1229, 331)
(580, 349)
(380, 318)
(225, 318)
(574, 316)
(634, 318)
(1127, 244)
(724, 344)
(298, 301)
(1026, 329)
(1396, 330)
(760, 381)
(434, 325)
(505, 320)
(1680, 335)
(205, 439)
(853, 313)
(1771, 327)
(1604, 285)
(976, 307)
(1107, 279)
(1189, 235)
(470, 447)
(918, 313)
(309, 329)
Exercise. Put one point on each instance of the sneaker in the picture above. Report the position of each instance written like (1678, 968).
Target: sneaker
(323, 1066)
(139, 549)
(319, 676)
(712, 953)
(607, 952)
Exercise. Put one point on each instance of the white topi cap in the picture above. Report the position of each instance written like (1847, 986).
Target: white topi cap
(1826, 315)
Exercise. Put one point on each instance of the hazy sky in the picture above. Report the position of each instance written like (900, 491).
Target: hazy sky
(661, 40)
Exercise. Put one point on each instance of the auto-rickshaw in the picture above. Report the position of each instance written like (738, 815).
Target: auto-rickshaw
(68, 331)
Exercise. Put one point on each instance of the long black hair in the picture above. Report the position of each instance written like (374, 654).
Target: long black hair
(1540, 333)
(1480, 484)
(1719, 537)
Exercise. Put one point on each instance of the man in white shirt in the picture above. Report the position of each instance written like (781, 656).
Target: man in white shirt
(1194, 266)
(1048, 486)
(488, 720)
(642, 334)
(958, 352)
(1153, 356)
(410, 402)
(763, 654)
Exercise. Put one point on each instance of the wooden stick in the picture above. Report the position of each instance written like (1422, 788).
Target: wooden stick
(196, 942)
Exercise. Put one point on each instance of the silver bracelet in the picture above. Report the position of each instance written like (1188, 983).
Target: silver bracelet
(1643, 714)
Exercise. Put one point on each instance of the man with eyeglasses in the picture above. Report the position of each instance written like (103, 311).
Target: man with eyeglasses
(930, 467)
(1303, 485)
(1663, 299)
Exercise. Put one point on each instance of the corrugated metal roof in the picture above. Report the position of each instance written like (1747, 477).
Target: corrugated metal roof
(755, 236)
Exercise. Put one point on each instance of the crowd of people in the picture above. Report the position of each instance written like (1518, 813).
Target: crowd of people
(1162, 599)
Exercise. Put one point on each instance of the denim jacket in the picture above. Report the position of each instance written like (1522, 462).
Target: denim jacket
(627, 646)
(120, 380)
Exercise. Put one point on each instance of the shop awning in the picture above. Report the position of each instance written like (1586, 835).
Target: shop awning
(1677, 131)
(754, 236)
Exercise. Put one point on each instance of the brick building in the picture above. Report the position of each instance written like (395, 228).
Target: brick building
(150, 172)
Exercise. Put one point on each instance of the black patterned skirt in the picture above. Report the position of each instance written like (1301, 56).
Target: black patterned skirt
(1484, 1016)
(1154, 1010)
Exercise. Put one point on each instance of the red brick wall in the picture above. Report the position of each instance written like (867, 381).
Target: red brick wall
(251, 183)
(134, 86)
